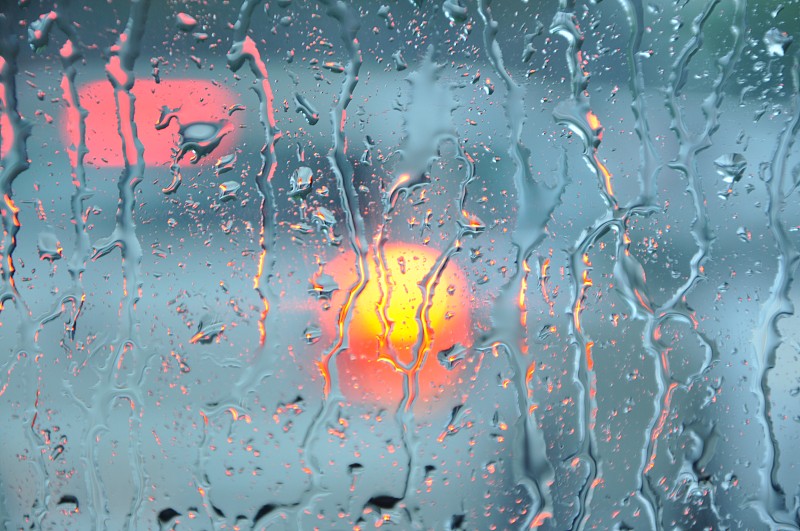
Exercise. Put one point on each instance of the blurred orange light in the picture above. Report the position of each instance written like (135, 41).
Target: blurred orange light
(380, 351)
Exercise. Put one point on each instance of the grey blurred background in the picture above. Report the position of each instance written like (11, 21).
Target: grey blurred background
(138, 424)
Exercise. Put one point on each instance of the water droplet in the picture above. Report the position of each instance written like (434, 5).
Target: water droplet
(236, 107)
(333, 66)
(326, 223)
(322, 286)
(384, 13)
(167, 515)
(49, 247)
(545, 332)
(529, 49)
(300, 182)
(455, 11)
(312, 334)
(744, 234)
(202, 138)
(39, 31)
(304, 107)
(399, 62)
(208, 329)
(228, 190)
(777, 42)
(224, 164)
(451, 357)
(185, 22)
(68, 504)
(302, 228)
(731, 167)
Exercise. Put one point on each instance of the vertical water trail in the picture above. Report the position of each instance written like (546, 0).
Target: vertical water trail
(691, 145)
(649, 168)
(767, 338)
(628, 271)
(425, 335)
(13, 164)
(536, 203)
(428, 286)
(386, 351)
(686, 163)
(243, 50)
(120, 72)
(77, 122)
(104, 400)
(576, 114)
(38, 38)
(427, 126)
(410, 371)
(349, 26)
(649, 160)
(528, 457)
(70, 53)
(427, 123)
(580, 281)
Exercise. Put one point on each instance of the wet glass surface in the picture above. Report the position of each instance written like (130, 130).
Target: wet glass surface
(417, 264)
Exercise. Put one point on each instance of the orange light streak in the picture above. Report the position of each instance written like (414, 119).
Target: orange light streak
(523, 288)
(576, 315)
(540, 518)
(660, 425)
(403, 179)
(597, 128)
(544, 276)
(36, 407)
(14, 209)
(262, 328)
(642, 301)
(594, 122)
(606, 175)
(392, 362)
(529, 377)
(324, 363)
(426, 331)
(383, 301)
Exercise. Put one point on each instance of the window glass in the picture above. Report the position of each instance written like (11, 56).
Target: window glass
(424, 264)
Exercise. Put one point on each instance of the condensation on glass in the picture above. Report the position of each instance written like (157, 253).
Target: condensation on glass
(453, 264)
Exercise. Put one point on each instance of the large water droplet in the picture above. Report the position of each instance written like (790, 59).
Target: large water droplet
(777, 42)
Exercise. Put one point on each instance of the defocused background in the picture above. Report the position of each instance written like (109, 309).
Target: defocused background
(424, 264)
